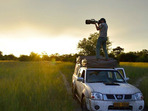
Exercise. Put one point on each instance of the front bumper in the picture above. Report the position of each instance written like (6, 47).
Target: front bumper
(108, 105)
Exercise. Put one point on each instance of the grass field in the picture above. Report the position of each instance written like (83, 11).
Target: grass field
(38, 86)
(32, 86)
(136, 71)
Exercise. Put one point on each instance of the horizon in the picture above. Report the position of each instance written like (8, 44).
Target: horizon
(57, 26)
(45, 53)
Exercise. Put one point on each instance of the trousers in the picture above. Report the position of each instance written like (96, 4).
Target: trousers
(101, 42)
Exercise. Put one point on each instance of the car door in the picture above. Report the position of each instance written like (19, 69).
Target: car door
(74, 79)
(122, 72)
(77, 84)
(80, 84)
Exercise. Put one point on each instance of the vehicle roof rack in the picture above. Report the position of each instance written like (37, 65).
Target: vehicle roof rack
(92, 62)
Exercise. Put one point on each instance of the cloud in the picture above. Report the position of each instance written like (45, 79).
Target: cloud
(66, 17)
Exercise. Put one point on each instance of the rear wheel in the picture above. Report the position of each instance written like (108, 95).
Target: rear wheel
(83, 104)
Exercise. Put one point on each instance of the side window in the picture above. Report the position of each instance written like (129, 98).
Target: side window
(110, 75)
(118, 77)
(121, 72)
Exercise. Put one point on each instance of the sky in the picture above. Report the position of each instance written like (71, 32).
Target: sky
(56, 26)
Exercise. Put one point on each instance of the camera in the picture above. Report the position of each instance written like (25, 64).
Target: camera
(92, 21)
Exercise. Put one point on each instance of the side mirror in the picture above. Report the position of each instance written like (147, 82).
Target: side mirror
(80, 79)
(126, 79)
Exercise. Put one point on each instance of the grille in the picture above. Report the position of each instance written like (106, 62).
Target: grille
(128, 97)
(110, 96)
(118, 96)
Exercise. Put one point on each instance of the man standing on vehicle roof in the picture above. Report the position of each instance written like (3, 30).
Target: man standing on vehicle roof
(102, 27)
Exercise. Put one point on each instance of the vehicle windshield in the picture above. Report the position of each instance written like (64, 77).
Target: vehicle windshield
(105, 76)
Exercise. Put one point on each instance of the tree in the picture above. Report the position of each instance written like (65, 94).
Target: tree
(127, 57)
(34, 57)
(118, 50)
(55, 57)
(142, 56)
(24, 58)
(45, 56)
(88, 46)
(9, 57)
(1, 55)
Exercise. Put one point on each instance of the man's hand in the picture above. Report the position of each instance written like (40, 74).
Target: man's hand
(97, 26)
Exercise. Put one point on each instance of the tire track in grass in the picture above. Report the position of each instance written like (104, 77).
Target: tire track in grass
(137, 84)
(68, 88)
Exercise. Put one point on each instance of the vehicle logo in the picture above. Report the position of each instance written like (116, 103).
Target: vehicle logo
(119, 96)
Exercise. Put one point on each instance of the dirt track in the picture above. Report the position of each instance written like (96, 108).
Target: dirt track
(68, 88)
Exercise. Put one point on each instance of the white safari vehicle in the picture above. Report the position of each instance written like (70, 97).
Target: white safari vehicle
(105, 89)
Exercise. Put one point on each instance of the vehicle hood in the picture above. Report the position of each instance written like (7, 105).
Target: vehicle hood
(121, 88)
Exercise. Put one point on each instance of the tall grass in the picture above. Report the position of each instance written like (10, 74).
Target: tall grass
(144, 89)
(67, 70)
(135, 64)
(136, 71)
(32, 86)
(38, 86)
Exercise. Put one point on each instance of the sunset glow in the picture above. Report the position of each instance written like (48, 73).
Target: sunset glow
(57, 26)
(26, 41)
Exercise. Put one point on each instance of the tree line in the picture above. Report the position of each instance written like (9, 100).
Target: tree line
(87, 47)
(39, 57)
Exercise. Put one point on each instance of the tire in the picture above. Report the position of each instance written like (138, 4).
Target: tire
(83, 104)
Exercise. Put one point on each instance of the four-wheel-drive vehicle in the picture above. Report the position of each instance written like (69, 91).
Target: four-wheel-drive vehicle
(105, 89)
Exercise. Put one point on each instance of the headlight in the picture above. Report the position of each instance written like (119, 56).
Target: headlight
(96, 95)
(138, 96)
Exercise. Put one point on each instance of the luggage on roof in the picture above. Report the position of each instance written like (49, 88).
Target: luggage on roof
(92, 62)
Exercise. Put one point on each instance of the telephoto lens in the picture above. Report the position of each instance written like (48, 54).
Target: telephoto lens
(87, 21)
(92, 21)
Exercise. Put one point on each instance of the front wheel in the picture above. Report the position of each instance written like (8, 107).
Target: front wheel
(83, 104)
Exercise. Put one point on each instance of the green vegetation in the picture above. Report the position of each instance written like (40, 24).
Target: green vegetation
(33, 86)
(87, 46)
(141, 56)
(136, 71)
(144, 89)
(68, 70)
(38, 86)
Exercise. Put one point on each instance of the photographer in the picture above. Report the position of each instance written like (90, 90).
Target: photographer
(102, 27)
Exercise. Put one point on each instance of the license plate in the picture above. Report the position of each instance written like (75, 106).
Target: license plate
(123, 104)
